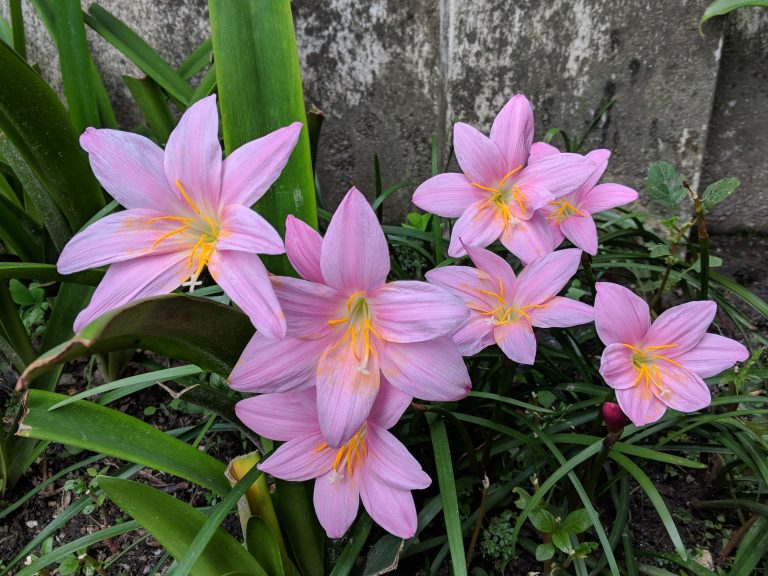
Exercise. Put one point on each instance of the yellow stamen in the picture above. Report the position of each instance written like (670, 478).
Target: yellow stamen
(349, 455)
(564, 211)
(650, 373)
(169, 234)
(499, 196)
(187, 198)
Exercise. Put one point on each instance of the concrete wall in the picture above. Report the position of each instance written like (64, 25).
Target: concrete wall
(391, 74)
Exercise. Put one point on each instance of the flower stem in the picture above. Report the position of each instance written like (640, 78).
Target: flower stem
(586, 261)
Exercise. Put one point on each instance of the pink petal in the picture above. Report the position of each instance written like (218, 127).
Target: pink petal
(411, 311)
(642, 408)
(132, 280)
(121, 236)
(712, 355)
(390, 404)
(462, 281)
(559, 312)
(474, 335)
(447, 195)
(193, 156)
(244, 278)
(245, 230)
(336, 499)
(684, 326)
(299, 459)
(495, 266)
(581, 231)
(517, 341)
(531, 197)
(541, 150)
(277, 365)
(308, 307)
(130, 167)
(480, 159)
(346, 390)
(512, 131)
(606, 196)
(616, 367)
(391, 462)
(250, 170)
(682, 390)
(431, 370)
(303, 244)
(280, 417)
(529, 239)
(354, 255)
(620, 315)
(545, 277)
(476, 227)
(560, 174)
(390, 508)
(600, 159)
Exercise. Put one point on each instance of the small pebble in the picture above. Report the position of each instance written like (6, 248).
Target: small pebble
(32, 524)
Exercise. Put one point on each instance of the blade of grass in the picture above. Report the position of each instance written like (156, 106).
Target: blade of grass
(17, 24)
(196, 62)
(348, 557)
(448, 494)
(653, 495)
(153, 104)
(133, 47)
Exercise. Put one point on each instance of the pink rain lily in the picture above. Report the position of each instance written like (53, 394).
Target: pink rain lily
(504, 309)
(347, 327)
(372, 466)
(499, 191)
(571, 215)
(186, 209)
(659, 365)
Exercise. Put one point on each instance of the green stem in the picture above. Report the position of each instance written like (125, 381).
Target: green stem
(594, 473)
(701, 226)
(437, 238)
(586, 261)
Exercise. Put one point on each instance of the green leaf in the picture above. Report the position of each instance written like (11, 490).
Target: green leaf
(723, 7)
(133, 47)
(293, 502)
(719, 191)
(197, 330)
(665, 185)
(94, 427)
(65, 24)
(577, 521)
(17, 22)
(259, 87)
(384, 556)
(21, 294)
(51, 215)
(543, 520)
(47, 273)
(174, 524)
(545, 551)
(653, 495)
(19, 234)
(153, 104)
(262, 544)
(752, 549)
(211, 528)
(562, 541)
(658, 250)
(447, 483)
(196, 62)
(6, 32)
(38, 126)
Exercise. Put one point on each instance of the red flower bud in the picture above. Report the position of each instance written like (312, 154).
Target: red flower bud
(613, 417)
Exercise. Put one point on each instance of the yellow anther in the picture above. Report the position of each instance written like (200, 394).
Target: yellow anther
(169, 234)
(564, 210)
(187, 198)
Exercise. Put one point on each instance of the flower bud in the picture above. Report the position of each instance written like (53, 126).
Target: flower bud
(613, 417)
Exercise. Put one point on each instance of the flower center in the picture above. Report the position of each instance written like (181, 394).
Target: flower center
(652, 369)
(359, 329)
(563, 211)
(506, 194)
(348, 456)
(202, 227)
(502, 313)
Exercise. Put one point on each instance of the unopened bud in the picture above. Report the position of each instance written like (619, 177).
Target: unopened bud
(613, 417)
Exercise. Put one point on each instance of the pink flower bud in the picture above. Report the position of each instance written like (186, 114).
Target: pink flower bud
(613, 417)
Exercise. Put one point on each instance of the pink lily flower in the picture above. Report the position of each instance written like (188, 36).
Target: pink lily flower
(347, 327)
(571, 215)
(372, 466)
(659, 365)
(504, 309)
(186, 209)
(499, 191)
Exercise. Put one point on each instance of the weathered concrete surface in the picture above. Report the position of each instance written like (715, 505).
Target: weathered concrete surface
(389, 74)
(738, 130)
(372, 67)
